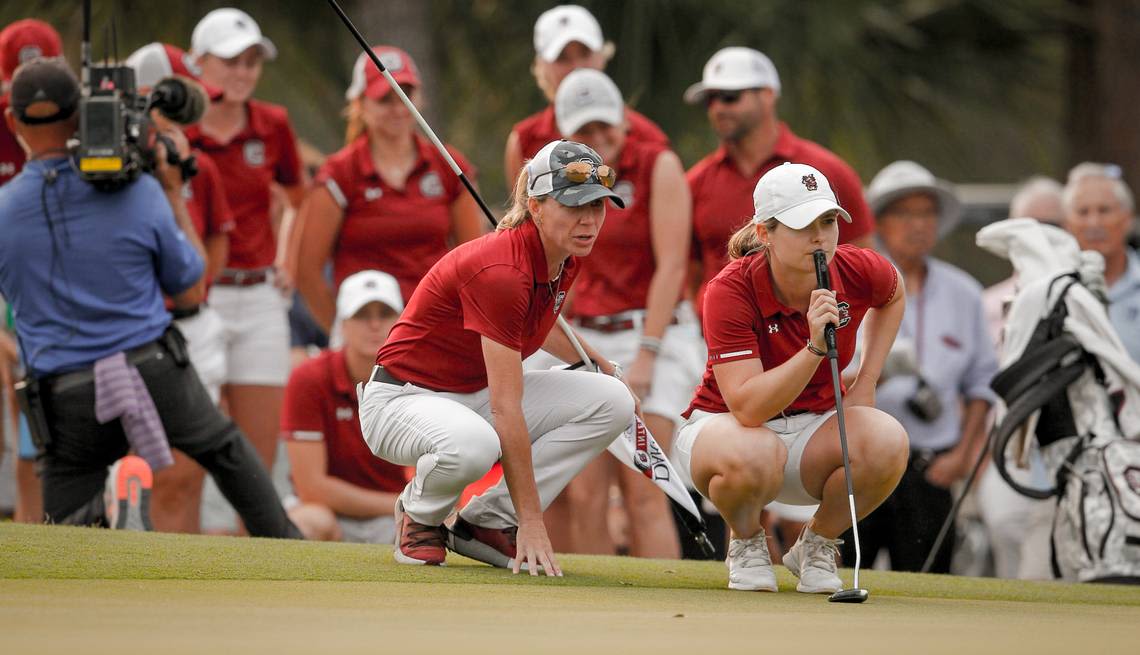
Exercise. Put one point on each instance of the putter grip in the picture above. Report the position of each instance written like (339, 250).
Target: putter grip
(823, 281)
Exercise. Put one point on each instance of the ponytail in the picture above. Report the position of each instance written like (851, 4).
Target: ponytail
(519, 211)
(355, 126)
(745, 241)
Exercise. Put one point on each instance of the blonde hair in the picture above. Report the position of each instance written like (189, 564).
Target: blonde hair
(745, 241)
(519, 211)
(355, 122)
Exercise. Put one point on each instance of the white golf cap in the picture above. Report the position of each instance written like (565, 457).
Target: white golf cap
(904, 178)
(795, 195)
(587, 95)
(359, 289)
(735, 69)
(557, 27)
(228, 32)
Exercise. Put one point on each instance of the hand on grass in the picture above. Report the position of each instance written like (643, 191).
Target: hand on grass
(532, 546)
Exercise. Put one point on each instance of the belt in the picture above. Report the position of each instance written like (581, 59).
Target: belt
(920, 458)
(135, 356)
(789, 414)
(240, 277)
(180, 313)
(627, 320)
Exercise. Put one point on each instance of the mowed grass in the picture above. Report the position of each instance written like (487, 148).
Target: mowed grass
(73, 590)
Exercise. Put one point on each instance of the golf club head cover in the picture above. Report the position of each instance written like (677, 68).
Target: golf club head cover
(823, 281)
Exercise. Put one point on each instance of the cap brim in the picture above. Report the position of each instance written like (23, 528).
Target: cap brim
(588, 115)
(583, 194)
(555, 47)
(803, 215)
(379, 87)
(949, 207)
(697, 93)
(351, 308)
(236, 46)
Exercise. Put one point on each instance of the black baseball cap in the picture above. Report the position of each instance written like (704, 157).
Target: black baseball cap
(44, 91)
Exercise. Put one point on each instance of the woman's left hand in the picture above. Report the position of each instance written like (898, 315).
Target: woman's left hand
(639, 376)
(947, 468)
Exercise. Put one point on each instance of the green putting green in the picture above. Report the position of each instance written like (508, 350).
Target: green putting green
(73, 590)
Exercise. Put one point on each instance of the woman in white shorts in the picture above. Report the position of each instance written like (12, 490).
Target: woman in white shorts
(762, 425)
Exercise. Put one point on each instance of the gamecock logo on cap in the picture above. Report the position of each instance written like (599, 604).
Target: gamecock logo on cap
(809, 182)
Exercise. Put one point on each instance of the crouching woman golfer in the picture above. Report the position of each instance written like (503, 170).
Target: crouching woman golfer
(449, 395)
(762, 426)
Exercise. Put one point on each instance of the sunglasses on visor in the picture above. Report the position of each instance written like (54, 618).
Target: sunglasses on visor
(579, 172)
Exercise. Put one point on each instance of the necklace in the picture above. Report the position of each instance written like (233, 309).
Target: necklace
(553, 283)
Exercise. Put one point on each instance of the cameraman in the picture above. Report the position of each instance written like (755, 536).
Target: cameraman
(85, 271)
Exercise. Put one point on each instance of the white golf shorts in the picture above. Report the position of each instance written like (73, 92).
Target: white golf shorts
(256, 321)
(205, 341)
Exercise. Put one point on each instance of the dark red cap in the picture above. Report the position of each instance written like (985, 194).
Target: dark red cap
(25, 40)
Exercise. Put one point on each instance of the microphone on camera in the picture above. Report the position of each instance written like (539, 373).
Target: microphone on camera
(823, 281)
(179, 99)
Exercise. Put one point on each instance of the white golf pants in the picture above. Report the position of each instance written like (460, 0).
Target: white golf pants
(571, 417)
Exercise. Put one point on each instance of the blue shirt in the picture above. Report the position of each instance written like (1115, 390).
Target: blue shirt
(98, 289)
(1124, 306)
(946, 324)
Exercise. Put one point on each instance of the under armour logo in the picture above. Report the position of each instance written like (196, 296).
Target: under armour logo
(773, 328)
(809, 182)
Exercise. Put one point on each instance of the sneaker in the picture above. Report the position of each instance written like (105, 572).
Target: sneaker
(417, 543)
(749, 565)
(488, 545)
(127, 496)
(812, 560)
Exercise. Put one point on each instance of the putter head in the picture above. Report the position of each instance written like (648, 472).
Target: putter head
(849, 596)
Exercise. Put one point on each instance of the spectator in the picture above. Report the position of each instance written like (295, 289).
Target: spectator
(626, 305)
(1099, 212)
(345, 491)
(92, 323)
(21, 41)
(740, 89)
(943, 403)
(177, 498)
(253, 145)
(566, 38)
(387, 200)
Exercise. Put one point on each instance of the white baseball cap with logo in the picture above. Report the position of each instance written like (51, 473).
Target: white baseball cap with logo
(228, 32)
(359, 289)
(735, 69)
(558, 27)
(584, 96)
(795, 195)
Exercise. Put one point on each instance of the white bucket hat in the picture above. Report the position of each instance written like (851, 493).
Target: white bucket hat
(735, 69)
(795, 195)
(903, 178)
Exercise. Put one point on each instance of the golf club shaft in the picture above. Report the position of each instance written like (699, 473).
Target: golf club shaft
(565, 327)
(846, 463)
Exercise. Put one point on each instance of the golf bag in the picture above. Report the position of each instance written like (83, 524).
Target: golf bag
(1070, 390)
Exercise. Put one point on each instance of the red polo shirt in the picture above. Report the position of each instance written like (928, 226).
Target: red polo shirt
(206, 202)
(320, 405)
(540, 129)
(495, 286)
(745, 320)
(399, 231)
(11, 154)
(616, 275)
(265, 151)
(722, 196)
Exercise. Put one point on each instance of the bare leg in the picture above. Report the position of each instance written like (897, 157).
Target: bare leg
(176, 502)
(257, 411)
(589, 501)
(557, 521)
(30, 501)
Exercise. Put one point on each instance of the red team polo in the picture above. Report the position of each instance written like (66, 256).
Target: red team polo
(263, 152)
(206, 202)
(320, 405)
(399, 231)
(540, 129)
(722, 196)
(616, 275)
(11, 154)
(496, 287)
(745, 320)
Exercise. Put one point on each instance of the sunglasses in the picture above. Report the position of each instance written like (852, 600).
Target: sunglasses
(579, 172)
(726, 97)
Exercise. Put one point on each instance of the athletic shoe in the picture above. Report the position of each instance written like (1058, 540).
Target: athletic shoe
(812, 560)
(496, 547)
(127, 497)
(750, 565)
(417, 543)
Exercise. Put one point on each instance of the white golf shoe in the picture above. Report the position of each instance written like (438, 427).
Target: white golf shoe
(749, 565)
(812, 560)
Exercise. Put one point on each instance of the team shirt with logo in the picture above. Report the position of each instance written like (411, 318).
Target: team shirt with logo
(745, 320)
(722, 196)
(11, 154)
(265, 151)
(616, 275)
(399, 231)
(540, 129)
(496, 286)
(320, 406)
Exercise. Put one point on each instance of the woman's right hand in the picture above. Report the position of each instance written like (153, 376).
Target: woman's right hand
(822, 310)
(532, 546)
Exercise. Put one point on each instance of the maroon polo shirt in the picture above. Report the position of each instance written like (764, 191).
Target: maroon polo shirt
(496, 286)
(540, 129)
(722, 197)
(206, 202)
(399, 231)
(321, 406)
(11, 154)
(265, 151)
(745, 320)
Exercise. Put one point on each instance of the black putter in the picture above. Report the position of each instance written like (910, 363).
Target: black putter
(823, 281)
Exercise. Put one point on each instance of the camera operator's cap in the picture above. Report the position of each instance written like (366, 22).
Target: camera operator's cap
(587, 95)
(367, 80)
(558, 27)
(795, 195)
(23, 41)
(547, 175)
(155, 62)
(904, 178)
(735, 69)
(44, 91)
(228, 32)
(359, 289)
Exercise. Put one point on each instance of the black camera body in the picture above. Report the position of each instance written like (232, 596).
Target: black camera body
(925, 403)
